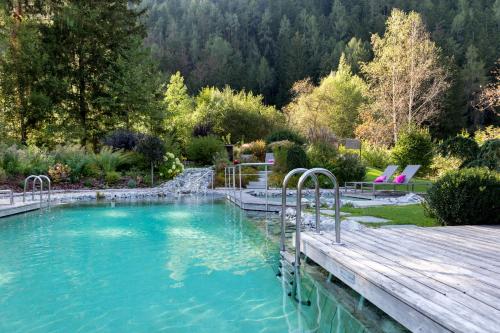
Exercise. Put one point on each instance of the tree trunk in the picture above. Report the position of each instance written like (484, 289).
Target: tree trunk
(152, 174)
(82, 107)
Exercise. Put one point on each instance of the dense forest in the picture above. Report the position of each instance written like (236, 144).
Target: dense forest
(74, 71)
(265, 46)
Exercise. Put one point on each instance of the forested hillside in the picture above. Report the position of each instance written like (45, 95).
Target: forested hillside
(265, 46)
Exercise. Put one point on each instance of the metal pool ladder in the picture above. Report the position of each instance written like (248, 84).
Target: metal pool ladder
(287, 258)
(40, 179)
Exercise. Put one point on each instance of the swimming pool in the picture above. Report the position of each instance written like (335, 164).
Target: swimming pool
(184, 266)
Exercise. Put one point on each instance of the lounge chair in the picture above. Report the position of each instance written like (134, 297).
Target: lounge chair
(409, 172)
(387, 174)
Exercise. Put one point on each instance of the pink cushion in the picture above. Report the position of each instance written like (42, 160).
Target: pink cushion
(399, 179)
(380, 179)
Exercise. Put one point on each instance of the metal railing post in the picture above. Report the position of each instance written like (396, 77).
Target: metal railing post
(267, 202)
(241, 195)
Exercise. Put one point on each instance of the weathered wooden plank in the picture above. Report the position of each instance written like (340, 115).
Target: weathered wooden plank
(431, 242)
(468, 240)
(413, 248)
(454, 316)
(397, 309)
(484, 235)
(442, 282)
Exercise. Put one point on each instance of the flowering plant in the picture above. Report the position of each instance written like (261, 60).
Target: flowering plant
(171, 167)
(59, 172)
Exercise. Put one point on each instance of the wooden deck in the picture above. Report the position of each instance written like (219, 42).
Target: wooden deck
(444, 279)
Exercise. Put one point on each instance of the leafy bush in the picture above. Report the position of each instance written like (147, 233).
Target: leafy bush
(59, 172)
(220, 161)
(321, 154)
(171, 166)
(202, 129)
(131, 183)
(11, 160)
(285, 134)
(460, 146)
(108, 160)
(3, 174)
(121, 139)
(414, 146)
(296, 157)
(466, 196)
(201, 150)
(151, 148)
(375, 156)
(441, 165)
(77, 159)
(347, 168)
(258, 149)
(489, 155)
(112, 177)
(280, 151)
(486, 134)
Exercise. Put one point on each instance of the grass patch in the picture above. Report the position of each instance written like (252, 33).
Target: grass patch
(421, 184)
(410, 214)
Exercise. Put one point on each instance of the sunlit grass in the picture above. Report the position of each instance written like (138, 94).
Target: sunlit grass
(409, 214)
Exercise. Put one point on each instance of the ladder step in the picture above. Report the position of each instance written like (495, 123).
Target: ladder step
(288, 257)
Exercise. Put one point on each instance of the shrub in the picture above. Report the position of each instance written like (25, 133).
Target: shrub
(79, 161)
(347, 168)
(488, 133)
(11, 160)
(375, 156)
(108, 160)
(489, 155)
(441, 165)
(201, 150)
(153, 151)
(296, 157)
(285, 134)
(171, 166)
(131, 183)
(466, 196)
(121, 139)
(221, 161)
(3, 174)
(280, 151)
(258, 149)
(321, 154)
(459, 146)
(414, 146)
(112, 177)
(202, 129)
(59, 172)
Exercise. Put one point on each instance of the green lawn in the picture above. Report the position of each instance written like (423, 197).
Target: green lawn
(421, 185)
(410, 214)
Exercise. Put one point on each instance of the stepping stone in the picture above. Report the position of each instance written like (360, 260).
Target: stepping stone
(367, 219)
(332, 212)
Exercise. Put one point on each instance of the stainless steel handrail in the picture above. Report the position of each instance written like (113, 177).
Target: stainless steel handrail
(33, 189)
(49, 187)
(283, 202)
(298, 222)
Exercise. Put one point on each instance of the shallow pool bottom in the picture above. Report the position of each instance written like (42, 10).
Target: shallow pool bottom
(195, 265)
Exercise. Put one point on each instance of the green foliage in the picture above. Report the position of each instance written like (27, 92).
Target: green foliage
(171, 166)
(151, 148)
(488, 133)
(131, 183)
(414, 146)
(375, 156)
(202, 150)
(460, 146)
(321, 154)
(347, 168)
(466, 196)
(77, 159)
(59, 173)
(111, 177)
(296, 157)
(242, 115)
(121, 139)
(285, 134)
(108, 160)
(258, 149)
(280, 151)
(489, 155)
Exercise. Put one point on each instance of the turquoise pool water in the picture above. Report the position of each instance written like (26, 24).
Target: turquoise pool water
(191, 266)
